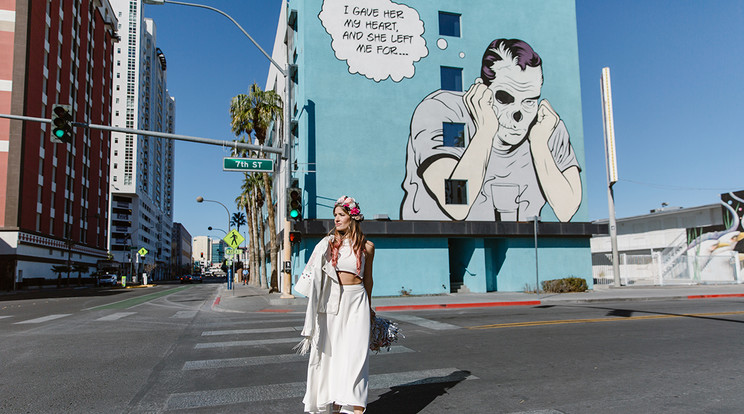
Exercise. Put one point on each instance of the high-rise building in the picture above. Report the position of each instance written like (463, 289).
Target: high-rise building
(141, 166)
(54, 203)
(181, 261)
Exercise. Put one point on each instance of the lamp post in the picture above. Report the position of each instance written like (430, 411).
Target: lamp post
(287, 278)
(201, 199)
(537, 271)
(210, 228)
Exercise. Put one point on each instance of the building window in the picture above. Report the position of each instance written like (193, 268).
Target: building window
(453, 134)
(455, 191)
(451, 78)
(449, 24)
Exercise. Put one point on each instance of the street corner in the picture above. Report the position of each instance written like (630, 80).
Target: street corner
(138, 286)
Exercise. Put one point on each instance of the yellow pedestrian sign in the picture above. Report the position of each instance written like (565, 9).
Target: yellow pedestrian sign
(233, 239)
(142, 251)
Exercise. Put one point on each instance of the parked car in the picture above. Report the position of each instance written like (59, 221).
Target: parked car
(108, 280)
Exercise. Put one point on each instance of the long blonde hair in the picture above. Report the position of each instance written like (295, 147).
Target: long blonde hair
(355, 236)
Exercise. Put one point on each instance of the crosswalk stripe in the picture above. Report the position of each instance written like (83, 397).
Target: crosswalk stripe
(250, 331)
(5, 316)
(247, 343)
(185, 314)
(215, 398)
(115, 316)
(426, 323)
(264, 360)
(44, 318)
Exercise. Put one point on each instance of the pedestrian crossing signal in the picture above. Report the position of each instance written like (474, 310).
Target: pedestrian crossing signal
(295, 237)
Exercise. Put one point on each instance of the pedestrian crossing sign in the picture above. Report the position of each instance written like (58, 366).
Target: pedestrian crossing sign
(142, 251)
(233, 239)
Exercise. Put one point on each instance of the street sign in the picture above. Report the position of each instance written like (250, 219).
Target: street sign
(233, 239)
(247, 164)
(142, 251)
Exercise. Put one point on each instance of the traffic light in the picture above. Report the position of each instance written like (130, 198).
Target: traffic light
(61, 123)
(294, 204)
(295, 237)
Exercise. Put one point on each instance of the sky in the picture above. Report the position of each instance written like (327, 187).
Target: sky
(676, 78)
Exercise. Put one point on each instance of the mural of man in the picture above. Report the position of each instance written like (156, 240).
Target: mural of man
(494, 152)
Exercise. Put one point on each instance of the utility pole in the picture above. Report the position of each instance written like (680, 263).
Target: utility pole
(611, 163)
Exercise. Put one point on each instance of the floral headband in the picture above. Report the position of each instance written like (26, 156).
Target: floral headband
(351, 207)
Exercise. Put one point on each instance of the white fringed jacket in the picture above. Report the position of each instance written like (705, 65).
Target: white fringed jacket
(319, 282)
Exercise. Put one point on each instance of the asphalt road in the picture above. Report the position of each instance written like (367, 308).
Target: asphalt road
(165, 349)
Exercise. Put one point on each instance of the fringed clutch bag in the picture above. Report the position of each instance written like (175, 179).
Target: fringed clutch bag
(384, 333)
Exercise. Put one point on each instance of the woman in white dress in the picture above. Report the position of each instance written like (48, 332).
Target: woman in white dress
(338, 284)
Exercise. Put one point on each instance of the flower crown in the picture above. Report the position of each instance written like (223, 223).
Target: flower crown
(351, 207)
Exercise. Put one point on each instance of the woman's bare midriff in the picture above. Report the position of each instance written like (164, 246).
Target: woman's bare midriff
(347, 278)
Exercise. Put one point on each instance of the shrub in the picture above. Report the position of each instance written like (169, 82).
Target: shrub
(568, 284)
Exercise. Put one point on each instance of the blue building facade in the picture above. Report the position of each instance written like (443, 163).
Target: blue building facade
(454, 124)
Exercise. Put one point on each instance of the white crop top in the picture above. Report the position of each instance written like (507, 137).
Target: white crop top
(347, 261)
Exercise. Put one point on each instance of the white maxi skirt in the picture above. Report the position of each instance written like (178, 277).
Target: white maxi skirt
(341, 376)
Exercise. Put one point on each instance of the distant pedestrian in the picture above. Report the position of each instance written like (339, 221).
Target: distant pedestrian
(338, 283)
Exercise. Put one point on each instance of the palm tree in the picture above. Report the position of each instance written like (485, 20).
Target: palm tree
(258, 203)
(244, 201)
(80, 269)
(255, 113)
(237, 220)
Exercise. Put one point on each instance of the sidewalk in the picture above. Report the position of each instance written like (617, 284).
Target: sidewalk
(246, 298)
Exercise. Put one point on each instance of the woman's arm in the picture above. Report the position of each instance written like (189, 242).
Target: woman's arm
(369, 251)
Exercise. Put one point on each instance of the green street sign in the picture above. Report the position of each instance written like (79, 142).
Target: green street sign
(247, 164)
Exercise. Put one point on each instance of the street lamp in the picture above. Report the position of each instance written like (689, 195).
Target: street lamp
(210, 228)
(201, 199)
(287, 279)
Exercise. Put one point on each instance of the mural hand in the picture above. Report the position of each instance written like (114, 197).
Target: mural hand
(479, 102)
(547, 120)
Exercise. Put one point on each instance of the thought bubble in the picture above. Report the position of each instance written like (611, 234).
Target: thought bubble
(376, 38)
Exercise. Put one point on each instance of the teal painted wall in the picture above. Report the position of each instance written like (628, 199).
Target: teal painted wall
(353, 131)
(557, 258)
(352, 134)
(417, 266)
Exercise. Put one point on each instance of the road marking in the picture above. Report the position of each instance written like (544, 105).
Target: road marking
(227, 396)
(595, 320)
(247, 343)
(7, 316)
(128, 303)
(251, 331)
(115, 316)
(270, 359)
(426, 323)
(44, 318)
(184, 314)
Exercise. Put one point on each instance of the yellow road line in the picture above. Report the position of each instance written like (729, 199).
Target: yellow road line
(595, 320)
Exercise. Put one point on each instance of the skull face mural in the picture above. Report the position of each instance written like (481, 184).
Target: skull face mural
(494, 152)
(516, 94)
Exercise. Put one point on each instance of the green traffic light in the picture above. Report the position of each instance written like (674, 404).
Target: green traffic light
(294, 213)
(59, 133)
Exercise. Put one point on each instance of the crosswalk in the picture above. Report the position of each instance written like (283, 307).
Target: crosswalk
(269, 349)
(219, 347)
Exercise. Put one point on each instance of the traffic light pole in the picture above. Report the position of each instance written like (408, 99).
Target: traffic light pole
(209, 141)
